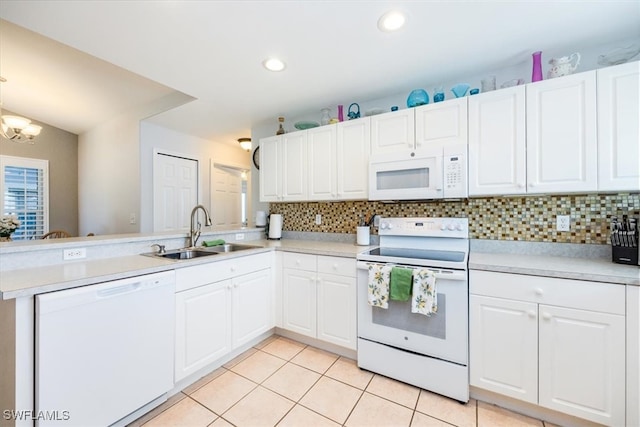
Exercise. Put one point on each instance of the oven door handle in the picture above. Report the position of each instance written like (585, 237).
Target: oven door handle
(440, 273)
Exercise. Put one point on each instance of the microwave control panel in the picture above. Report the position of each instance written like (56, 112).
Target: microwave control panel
(455, 176)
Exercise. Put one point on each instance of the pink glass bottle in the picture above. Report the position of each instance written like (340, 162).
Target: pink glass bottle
(536, 74)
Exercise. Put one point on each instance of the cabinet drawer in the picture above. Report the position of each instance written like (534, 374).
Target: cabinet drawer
(198, 275)
(581, 294)
(337, 265)
(300, 261)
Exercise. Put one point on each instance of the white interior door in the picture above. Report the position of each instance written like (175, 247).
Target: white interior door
(226, 196)
(175, 191)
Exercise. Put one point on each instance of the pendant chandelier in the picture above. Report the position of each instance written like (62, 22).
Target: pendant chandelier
(16, 128)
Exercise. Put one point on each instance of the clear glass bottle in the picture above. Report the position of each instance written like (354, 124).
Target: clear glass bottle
(324, 120)
(281, 127)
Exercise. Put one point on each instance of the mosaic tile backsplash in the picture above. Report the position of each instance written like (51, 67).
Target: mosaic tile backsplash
(531, 218)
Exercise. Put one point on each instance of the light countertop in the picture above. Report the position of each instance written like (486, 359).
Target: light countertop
(30, 281)
(595, 270)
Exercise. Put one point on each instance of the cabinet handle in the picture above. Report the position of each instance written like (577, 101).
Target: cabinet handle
(312, 279)
(531, 314)
(539, 292)
(229, 286)
(335, 266)
(233, 268)
(520, 185)
(297, 262)
(532, 184)
(546, 316)
(235, 285)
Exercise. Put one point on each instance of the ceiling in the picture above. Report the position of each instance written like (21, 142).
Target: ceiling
(99, 58)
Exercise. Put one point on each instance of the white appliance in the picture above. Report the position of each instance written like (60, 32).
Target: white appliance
(428, 352)
(428, 173)
(275, 227)
(103, 351)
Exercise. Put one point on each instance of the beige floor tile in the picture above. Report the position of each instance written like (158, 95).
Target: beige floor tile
(332, 399)
(204, 380)
(347, 371)
(220, 394)
(448, 410)
(261, 407)
(239, 358)
(283, 348)
(315, 359)
(396, 391)
(301, 416)
(221, 422)
(291, 381)
(259, 366)
(422, 420)
(375, 411)
(266, 342)
(185, 413)
(494, 416)
(158, 409)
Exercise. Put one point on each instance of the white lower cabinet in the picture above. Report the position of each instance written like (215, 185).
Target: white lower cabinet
(319, 297)
(219, 307)
(553, 342)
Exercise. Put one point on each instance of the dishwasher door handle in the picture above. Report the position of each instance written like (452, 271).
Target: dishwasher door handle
(118, 290)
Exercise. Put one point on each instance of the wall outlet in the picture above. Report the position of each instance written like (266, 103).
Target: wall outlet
(240, 236)
(563, 223)
(77, 253)
(132, 218)
(318, 219)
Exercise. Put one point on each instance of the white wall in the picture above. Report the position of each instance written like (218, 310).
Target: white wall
(159, 139)
(109, 170)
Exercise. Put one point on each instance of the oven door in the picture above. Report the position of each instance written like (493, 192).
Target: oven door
(442, 335)
(406, 175)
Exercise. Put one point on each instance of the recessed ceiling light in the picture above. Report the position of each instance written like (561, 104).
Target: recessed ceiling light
(391, 21)
(273, 64)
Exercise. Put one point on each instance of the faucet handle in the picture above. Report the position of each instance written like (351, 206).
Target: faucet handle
(160, 248)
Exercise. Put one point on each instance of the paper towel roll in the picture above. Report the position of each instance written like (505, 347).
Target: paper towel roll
(275, 226)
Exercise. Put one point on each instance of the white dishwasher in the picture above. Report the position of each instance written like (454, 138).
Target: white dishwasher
(103, 351)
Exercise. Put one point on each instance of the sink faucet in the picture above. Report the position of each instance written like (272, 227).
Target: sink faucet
(194, 234)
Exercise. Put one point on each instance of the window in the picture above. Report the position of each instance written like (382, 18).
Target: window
(25, 193)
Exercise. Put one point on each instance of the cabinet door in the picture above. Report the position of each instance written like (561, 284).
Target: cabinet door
(618, 130)
(337, 310)
(497, 147)
(294, 166)
(270, 169)
(582, 364)
(503, 346)
(393, 131)
(252, 306)
(354, 145)
(561, 134)
(203, 317)
(299, 301)
(321, 142)
(442, 124)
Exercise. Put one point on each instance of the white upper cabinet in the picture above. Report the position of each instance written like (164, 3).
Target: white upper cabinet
(283, 167)
(353, 148)
(393, 131)
(619, 128)
(338, 160)
(441, 124)
(294, 166)
(561, 135)
(270, 169)
(497, 142)
(322, 145)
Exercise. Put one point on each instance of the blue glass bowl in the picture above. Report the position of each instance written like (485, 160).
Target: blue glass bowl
(460, 90)
(417, 97)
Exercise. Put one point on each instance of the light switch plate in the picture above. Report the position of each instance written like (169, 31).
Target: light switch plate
(318, 219)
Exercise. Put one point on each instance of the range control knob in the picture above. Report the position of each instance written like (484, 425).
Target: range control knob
(383, 225)
(451, 227)
(459, 226)
(443, 226)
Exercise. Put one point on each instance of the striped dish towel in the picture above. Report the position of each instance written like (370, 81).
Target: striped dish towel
(378, 285)
(424, 299)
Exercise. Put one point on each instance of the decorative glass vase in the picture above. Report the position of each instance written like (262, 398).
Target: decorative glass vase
(417, 97)
(324, 120)
(536, 73)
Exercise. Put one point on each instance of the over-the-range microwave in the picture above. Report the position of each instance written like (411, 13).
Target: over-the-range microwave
(428, 173)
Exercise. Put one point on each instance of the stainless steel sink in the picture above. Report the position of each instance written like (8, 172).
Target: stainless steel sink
(231, 247)
(183, 254)
(190, 253)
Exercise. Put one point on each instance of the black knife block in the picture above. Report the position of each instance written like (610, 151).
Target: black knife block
(624, 255)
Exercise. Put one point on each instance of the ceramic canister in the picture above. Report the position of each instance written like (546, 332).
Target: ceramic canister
(261, 219)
